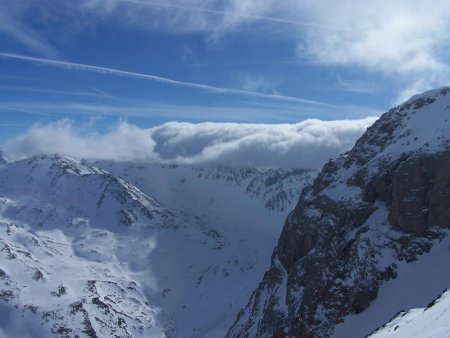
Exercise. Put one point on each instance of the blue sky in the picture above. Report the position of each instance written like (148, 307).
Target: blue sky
(266, 62)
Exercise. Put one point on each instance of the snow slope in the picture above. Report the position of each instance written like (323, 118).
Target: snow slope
(432, 321)
(84, 252)
(60, 230)
(244, 206)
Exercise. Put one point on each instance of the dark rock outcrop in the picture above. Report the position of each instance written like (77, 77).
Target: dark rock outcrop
(389, 194)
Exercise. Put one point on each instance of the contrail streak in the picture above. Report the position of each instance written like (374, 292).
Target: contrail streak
(221, 12)
(123, 73)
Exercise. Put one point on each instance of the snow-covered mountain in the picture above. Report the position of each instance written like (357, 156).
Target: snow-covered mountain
(368, 238)
(137, 249)
(61, 223)
(272, 189)
(87, 252)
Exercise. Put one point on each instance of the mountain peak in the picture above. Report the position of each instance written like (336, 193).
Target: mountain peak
(380, 205)
(427, 97)
(421, 124)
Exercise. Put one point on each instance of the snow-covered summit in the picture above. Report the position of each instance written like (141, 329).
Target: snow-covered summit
(421, 124)
(76, 188)
(419, 127)
(381, 204)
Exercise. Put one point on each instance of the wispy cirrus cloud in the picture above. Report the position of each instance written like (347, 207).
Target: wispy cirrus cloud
(406, 41)
(53, 91)
(242, 111)
(344, 32)
(22, 110)
(358, 86)
(411, 33)
(215, 19)
(241, 9)
(26, 36)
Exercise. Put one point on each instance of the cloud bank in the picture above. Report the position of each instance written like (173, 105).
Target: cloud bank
(308, 144)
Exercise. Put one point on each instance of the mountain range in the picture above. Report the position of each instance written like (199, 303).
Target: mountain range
(85, 252)
(138, 249)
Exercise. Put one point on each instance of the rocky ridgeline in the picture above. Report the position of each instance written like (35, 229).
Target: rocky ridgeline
(383, 202)
(74, 188)
(278, 188)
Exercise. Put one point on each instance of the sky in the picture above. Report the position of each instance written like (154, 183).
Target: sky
(90, 68)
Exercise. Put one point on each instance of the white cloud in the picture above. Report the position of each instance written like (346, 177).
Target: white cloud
(404, 40)
(393, 36)
(125, 142)
(306, 144)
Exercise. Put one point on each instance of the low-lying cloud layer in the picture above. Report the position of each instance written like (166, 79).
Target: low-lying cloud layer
(306, 144)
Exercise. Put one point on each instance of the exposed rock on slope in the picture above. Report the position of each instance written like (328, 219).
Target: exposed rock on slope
(383, 202)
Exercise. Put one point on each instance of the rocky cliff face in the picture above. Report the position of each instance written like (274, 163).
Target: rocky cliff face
(386, 201)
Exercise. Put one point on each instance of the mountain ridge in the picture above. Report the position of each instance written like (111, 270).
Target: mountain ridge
(354, 224)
